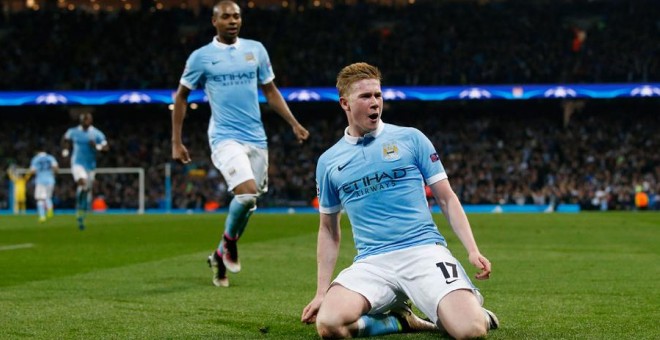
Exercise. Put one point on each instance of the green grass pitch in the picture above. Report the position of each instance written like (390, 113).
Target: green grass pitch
(555, 276)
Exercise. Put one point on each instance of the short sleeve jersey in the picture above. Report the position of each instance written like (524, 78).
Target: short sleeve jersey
(230, 76)
(379, 181)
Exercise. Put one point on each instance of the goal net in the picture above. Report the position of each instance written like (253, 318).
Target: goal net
(121, 189)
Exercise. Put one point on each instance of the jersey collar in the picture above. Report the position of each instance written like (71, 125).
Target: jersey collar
(90, 128)
(224, 46)
(371, 135)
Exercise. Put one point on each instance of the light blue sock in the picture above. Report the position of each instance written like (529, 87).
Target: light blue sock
(241, 228)
(236, 219)
(81, 201)
(41, 208)
(378, 324)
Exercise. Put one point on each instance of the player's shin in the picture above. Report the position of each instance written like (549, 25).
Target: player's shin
(378, 324)
(240, 209)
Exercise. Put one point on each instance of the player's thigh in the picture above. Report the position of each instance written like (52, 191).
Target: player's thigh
(79, 173)
(373, 280)
(431, 273)
(41, 192)
(259, 162)
(231, 158)
(341, 307)
(460, 311)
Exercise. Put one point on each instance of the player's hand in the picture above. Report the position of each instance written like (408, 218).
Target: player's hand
(180, 153)
(301, 133)
(311, 310)
(482, 263)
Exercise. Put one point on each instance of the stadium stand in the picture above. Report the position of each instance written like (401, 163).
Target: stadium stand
(433, 43)
(495, 153)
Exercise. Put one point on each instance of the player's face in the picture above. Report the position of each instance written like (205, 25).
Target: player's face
(227, 21)
(87, 121)
(363, 105)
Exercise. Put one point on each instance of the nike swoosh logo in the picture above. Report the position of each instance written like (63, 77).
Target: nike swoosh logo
(341, 167)
(450, 281)
(215, 62)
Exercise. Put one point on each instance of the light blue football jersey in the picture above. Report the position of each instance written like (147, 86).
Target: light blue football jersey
(83, 153)
(230, 76)
(379, 181)
(43, 164)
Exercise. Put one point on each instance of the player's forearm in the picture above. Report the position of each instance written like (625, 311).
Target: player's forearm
(276, 101)
(326, 259)
(178, 114)
(459, 223)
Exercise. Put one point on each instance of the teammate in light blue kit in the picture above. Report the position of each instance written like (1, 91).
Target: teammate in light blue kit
(231, 70)
(376, 173)
(87, 140)
(44, 166)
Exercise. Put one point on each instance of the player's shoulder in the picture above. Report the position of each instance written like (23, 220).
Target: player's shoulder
(251, 42)
(71, 131)
(402, 132)
(333, 153)
(400, 128)
(201, 52)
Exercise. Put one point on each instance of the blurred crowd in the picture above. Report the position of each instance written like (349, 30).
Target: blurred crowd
(430, 43)
(494, 153)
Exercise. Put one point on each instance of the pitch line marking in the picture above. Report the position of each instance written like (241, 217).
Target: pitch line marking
(16, 246)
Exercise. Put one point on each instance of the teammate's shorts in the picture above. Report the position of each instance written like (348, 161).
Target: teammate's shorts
(241, 162)
(43, 191)
(79, 172)
(424, 274)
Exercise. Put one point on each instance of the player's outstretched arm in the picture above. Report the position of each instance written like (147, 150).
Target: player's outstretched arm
(327, 249)
(179, 151)
(276, 101)
(453, 211)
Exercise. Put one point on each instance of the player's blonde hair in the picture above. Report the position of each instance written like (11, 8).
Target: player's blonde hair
(353, 73)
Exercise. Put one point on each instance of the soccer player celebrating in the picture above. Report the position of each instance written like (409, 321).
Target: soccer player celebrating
(376, 173)
(45, 166)
(231, 70)
(87, 140)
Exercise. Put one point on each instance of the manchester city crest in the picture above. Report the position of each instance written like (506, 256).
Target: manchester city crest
(390, 151)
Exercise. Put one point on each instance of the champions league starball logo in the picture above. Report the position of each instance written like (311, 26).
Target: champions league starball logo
(560, 92)
(645, 91)
(474, 93)
(134, 98)
(392, 94)
(304, 96)
(51, 98)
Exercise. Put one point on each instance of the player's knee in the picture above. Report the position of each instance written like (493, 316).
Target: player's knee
(331, 329)
(248, 200)
(474, 329)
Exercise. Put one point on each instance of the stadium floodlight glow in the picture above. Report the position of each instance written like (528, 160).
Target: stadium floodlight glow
(313, 94)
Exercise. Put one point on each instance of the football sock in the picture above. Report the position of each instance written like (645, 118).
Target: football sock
(81, 201)
(241, 228)
(237, 218)
(378, 324)
(41, 208)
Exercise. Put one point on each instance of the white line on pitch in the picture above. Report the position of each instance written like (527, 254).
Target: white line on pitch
(16, 246)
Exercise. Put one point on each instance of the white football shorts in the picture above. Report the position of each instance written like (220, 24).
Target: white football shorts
(424, 274)
(79, 172)
(43, 192)
(241, 162)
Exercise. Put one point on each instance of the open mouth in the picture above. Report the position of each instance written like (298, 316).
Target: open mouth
(373, 116)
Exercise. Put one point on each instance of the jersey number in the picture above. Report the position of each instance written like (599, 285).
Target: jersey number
(43, 165)
(449, 271)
